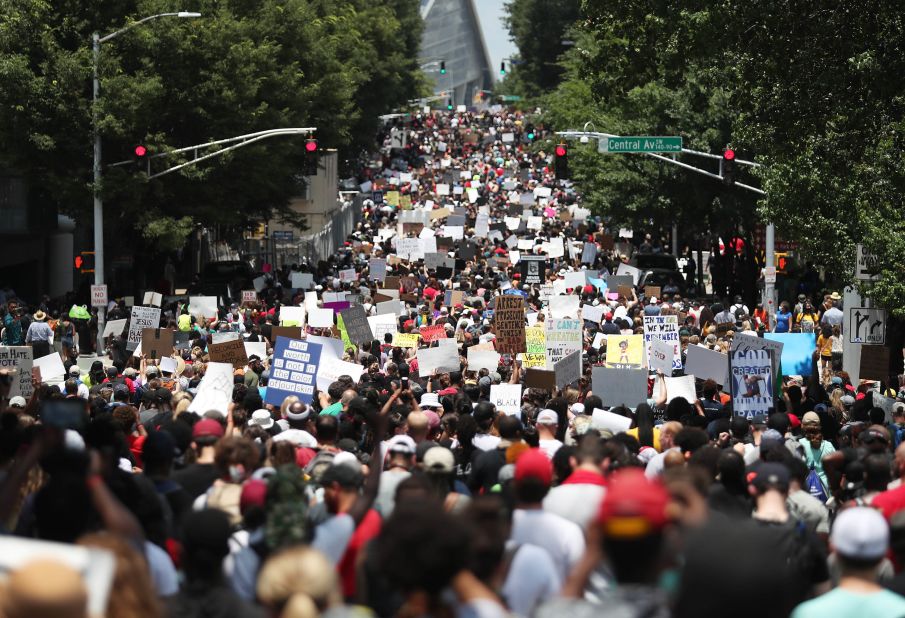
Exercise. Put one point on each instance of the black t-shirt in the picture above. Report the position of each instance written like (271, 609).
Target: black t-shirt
(802, 550)
(196, 478)
(485, 469)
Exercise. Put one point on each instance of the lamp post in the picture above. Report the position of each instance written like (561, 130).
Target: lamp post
(96, 41)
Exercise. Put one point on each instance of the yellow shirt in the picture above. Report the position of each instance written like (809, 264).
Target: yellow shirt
(634, 433)
(825, 345)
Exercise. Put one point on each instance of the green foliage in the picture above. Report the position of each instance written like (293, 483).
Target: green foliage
(242, 67)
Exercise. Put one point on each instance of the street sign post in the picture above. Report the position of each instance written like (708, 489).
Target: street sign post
(642, 144)
(865, 265)
(866, 325)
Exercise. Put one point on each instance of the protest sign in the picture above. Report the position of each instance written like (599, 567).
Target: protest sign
(152, 299)
(348, 275)
(540, 378)
(255, 348)
(614, 281)
(604, 420)
(432, 333)
(377, 269)
(681, 386)
(382, 324)
(114, 327)
(99, 295)
(483, 359)
(589, 253)
(142, 318)
(533, 268)
(442, 358)
(292, 316)
(232, 352)
(356, 322)
(392, 307)
(337, 306)
(634, 273)
(665, 328)
(751, 382)
(575, 279)
(294, 370)
(593, 313)
(452, 298)
(507, 398)
(564, 306)
(203, 307)
(563, 337)
(625, 351)
(331, 368)
(320, 318)
(215, 390)
(661, 356)
(290, 332)
(168, 364)
(707, 364)
(535, 348)
(249, 296)
(568, 369)
(405, 340)
(617, 387)
(743, 342)
(652, 291)
(157, 342)
(796, 352)
(509, 324)
(51, 366)
(19, 359)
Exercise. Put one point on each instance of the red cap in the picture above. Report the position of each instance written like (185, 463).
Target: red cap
(534, 464)
(589, 289)
(207, 428)
(254, 493)
(794, 421)
(634, 505)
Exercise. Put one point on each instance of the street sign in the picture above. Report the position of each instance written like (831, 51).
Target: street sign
(865, 265)
(98, 295)
(283, 236)
(611, 145)
(769, 274)
(866, 325)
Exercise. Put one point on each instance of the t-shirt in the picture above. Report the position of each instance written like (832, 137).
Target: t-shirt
(890, 502)
(782, 322)
(561, 538)
(197, 478)
(841, 603)
(814, 457)
(333, 409)
(532, 579)
(549, 447)
(578, 498)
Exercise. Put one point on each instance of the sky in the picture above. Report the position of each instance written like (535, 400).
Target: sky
(496, 37)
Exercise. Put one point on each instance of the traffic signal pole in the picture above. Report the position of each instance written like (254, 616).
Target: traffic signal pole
(769, 298)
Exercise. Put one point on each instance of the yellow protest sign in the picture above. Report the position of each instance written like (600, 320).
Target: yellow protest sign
(538, 361)
(406, 340)
(536, 340)
(625, 351)
(405, 202)
(392, 198)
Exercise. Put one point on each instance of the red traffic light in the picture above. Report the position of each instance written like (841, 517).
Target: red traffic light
(311, 145)
(729, 154)
(140, 151)
(561, 151)
(79, 261)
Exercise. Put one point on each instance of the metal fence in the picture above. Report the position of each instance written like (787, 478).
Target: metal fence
(328, 240)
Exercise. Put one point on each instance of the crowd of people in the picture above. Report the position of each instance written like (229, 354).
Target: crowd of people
(390, 491)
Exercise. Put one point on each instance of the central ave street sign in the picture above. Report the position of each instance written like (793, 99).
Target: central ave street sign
(610, 145)
(866, 325)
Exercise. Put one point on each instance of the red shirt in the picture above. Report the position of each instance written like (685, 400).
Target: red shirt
(890, 502)
(366, 530)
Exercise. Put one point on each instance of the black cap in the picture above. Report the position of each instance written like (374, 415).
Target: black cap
(770, 475)
(343, 474)
(208, 531)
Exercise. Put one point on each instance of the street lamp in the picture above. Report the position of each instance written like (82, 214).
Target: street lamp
(96, 41)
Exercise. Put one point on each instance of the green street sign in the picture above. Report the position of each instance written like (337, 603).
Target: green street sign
(610, 145)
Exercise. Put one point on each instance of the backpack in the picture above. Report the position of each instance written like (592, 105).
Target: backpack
(815, 486)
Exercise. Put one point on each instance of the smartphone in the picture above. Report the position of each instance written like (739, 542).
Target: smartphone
(64, 413)
(405, 383)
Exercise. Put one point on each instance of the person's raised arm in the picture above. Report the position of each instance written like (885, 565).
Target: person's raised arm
(661, 397)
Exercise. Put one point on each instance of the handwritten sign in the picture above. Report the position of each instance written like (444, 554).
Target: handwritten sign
(99, 295)
(232, 352)
(509, 324)
(20, 359)
(507, 398)
(142, 318)
(432, 333)
(665, 328)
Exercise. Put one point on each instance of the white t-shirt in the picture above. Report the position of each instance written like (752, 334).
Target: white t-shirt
(549, 447)
(532, 579)
(577, 502)
(562, 539)
(485, 441)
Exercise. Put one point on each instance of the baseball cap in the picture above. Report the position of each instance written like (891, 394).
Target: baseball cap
(634, 505)
(440, 460)
(810, 418)
(75, 371)
(534, 464)
(860, 533)
(401, 444)
(18, 402)
(207, 428)
(771, 475)
(547, 417)
(254, 494)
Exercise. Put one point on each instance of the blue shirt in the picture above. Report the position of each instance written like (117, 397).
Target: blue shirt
(840, 603)
(782, 322)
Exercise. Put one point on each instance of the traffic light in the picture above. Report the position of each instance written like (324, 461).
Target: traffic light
(529, 133)
(781, 262)
(503, 68)
(561, 165)
(84, 262)
(449, 104)
(140, 156)
(79, 260)
(442, 67)
(309, 167)
(729, 167)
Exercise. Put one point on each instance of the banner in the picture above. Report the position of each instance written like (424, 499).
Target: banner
(142, 318)
(625, 351)
(665, 328)
(563, 338)
(752, 382)
(507, 398)
(294, 371)
(509, 324)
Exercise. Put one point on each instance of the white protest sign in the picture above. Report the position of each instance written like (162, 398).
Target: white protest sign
(114, 327)
(575, 279)
(666, 328)
(682, 386)
(249, 296)
(294, 316)
(625, 269)
(99, 295)
(661, 356)
(320, 318)
(215, 391)
(203, 306)
(51, 366)
(564, 306)
(152, 298)
(168, 364)
(259, 283)
(19, 359)
(609, 421)
(442, 358)
(382, 324)
(330, 368)
(142, 317)
(483, 359)
(593, 313)
(507, 398)
(330, 346)
(256, 348)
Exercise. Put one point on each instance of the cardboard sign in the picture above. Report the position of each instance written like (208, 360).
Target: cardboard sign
(652, 291)
(617, 387)
(142, 318)
(356, 322)
(255, 348)
(604, 420)
(509, 324)
(661, 356)
(293, 371)
(432, 333)
(157, 342)
(453, 298)
(249, 296)
(483, 359)
(99, 295)
(442, 358)
(290, 332)
(232, 352)
(568, 369)
(707, 364)
(874, 362)
(507, 398)
(114, 327)
(751, 382)
(625, 291)
(540, 378)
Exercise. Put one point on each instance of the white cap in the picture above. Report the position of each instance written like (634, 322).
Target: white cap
(18, 402)
(860, 533)
(547, 417)
(401, 444)
(261, 418)
(577, 408)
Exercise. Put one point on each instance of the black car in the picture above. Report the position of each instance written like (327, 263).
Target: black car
(654, 261)
(669, 281)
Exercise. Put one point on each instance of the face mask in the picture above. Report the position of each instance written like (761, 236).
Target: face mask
(236, 473)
